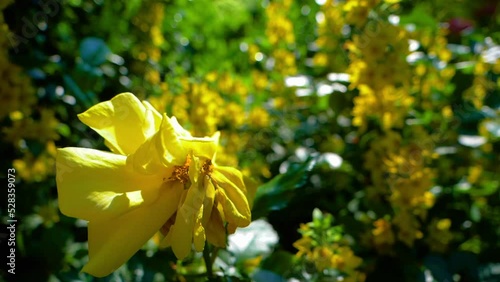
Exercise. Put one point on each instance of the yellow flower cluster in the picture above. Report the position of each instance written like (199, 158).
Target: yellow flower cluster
(378, 56)
(44, 129)
(481, 85)
(199, 106)
(427, 77)
(280, 32)
(357, 11)
(400, 174)
(147, 50)
(379, 148)
(379, 70)
(320, 245)
(279, 28)
(435, 43)
(389, 105)
(333, 256)
(36, 168)
(329, 36)
(382, 236)
(18, 100)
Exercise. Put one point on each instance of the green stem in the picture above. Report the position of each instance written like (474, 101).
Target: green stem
(208, 261)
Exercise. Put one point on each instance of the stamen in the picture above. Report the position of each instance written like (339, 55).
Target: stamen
(207, 167)
(181, 173)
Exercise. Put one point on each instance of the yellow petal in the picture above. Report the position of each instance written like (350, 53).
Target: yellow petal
(199, 233)
(231, 212)
(231, 228)
(204, 147)
(113, 242)
(201, 147)
(194, 171)
(179, 129)
(96, 185)
(160, 151)
(124, 122)
(215, 231)
(208, 203)
(231, 194)
(182, 230)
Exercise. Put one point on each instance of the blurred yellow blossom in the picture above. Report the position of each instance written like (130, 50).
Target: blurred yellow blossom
(321, 245)
(383, 236)
(439, 235)
(259, 117)
(33, 168)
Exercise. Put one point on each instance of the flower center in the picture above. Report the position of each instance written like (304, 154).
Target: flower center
(181, 173)
(207, 167)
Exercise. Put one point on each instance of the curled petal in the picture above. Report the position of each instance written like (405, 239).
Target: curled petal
(113, 242)
(179, 129)
(231, 194)
(96, 185)
(160, 151)
(231, 212)
(124, 122)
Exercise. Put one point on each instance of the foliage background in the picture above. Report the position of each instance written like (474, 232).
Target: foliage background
(384, 115)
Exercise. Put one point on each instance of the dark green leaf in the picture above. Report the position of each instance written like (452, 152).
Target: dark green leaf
(279, 262)
(276, 194)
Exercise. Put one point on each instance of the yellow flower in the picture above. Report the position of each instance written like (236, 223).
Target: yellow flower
(304, 245)
(259, 117)
(439, 235)
(474, 173)
(382, 234)
(33, 168)
(157, 178)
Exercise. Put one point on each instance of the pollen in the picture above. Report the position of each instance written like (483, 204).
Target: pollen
(207, 167)
(181, 173)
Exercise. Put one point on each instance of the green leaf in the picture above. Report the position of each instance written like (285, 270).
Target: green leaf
(338, 102)
(487, 188)
(420, 18)
(63, 129)
(276, 194)
(279, 262)
(80, 96)
(475, 213)
(132, 7)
